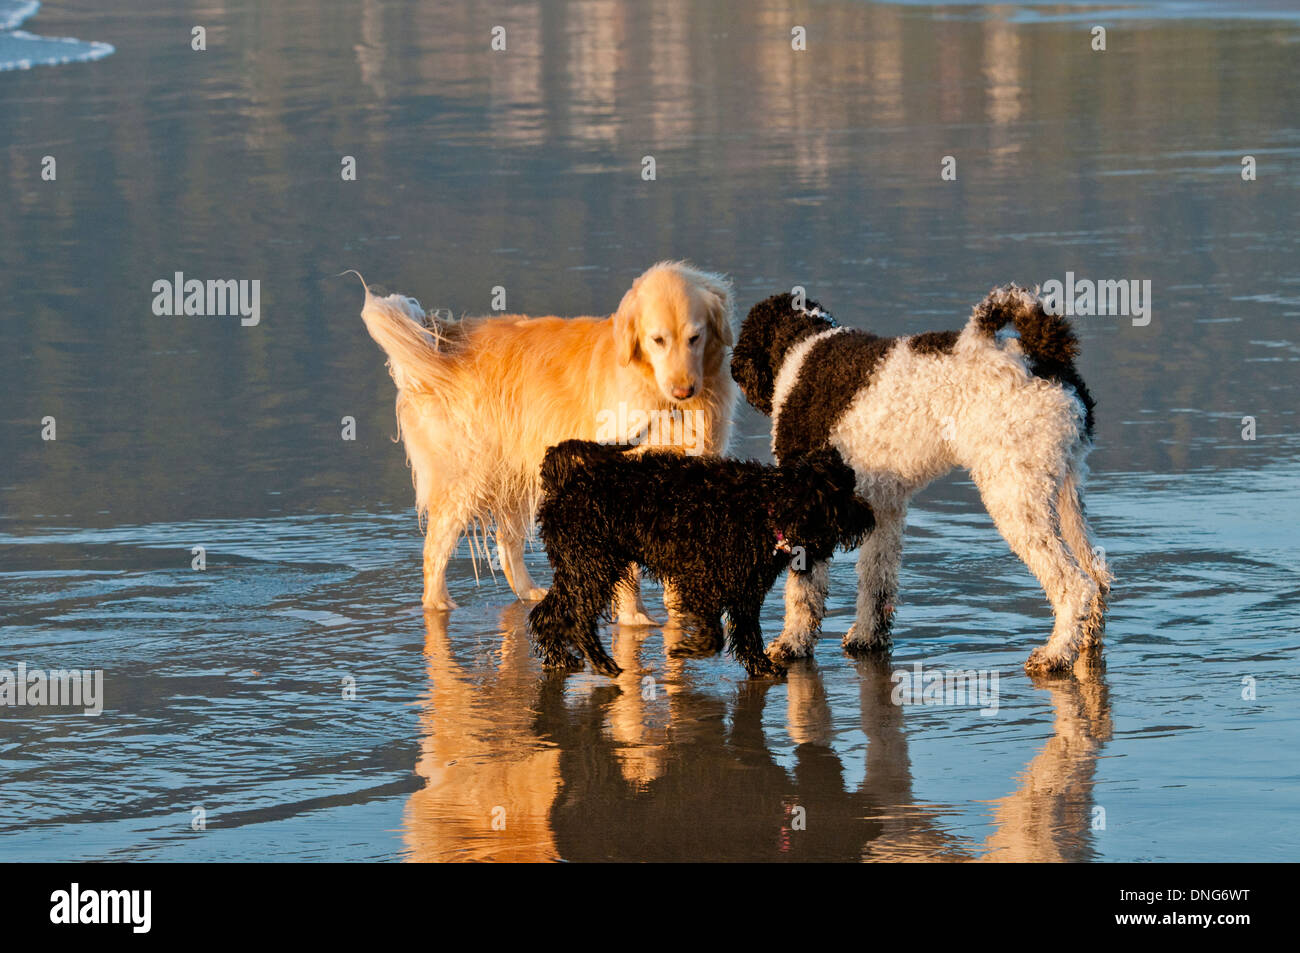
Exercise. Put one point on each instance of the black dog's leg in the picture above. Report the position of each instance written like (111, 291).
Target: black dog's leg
(706, 636)
(549, 623)
(747, 641)
(590, 580)
(587, 638)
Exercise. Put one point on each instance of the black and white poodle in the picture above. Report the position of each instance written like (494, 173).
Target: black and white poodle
(718, 532)
(1001, 398)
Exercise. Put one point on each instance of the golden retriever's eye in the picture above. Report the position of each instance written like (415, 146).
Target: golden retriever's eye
(695, 339)
(659, 342)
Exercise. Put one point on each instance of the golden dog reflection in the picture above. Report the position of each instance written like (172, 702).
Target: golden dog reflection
(522, 765)
(490, 782)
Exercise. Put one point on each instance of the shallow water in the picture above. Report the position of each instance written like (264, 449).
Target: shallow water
(224, 688)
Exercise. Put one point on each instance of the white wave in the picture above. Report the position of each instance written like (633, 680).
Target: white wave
(23, 50)
(14, 12)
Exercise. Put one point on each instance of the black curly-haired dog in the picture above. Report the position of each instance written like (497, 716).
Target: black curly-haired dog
(718, 531)
(1001, 398)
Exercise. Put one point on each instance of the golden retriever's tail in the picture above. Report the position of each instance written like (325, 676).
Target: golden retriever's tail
(409, 338)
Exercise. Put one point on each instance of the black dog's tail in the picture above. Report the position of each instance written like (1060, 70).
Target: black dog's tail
(1047, 339)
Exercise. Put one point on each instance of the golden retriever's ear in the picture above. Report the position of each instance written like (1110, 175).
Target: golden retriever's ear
(721, 307)
(627, 325)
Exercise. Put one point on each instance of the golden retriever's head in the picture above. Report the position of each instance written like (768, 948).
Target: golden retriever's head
(676, 321)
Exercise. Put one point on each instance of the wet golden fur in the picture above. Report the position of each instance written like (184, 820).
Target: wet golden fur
(480, 400)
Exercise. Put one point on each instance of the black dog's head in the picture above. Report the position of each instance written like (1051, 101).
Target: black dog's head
(570, 457)
(816, 506)
(770, 329)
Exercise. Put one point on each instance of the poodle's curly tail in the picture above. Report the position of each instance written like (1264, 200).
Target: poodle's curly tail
(1045, 337)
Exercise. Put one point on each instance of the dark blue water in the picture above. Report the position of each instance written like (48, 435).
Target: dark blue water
(225, 688)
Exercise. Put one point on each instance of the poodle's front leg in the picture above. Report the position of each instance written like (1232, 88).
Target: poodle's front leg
(805, 605)
(878, 562)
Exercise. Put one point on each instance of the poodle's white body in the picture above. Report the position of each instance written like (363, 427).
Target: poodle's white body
(973, 402)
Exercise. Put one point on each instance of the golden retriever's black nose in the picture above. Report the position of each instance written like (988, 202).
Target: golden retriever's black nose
(682, 393)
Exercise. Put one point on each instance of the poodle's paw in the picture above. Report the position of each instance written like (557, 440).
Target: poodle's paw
(791, 645)
(1043, 661)
(439, 604)
(535, 594)
(859, 641)
(635, 617)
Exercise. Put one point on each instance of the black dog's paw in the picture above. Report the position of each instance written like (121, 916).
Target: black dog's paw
(558, 658)
(697, 645)
(606, 666)
(761, 666)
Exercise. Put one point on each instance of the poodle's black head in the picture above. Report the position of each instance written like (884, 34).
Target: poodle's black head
(770, 329)
(817, 506)
(568, 457)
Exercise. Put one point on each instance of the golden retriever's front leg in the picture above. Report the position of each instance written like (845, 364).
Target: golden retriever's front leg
(673, 604)
(717, 426)
(629, 609)
(510, 549)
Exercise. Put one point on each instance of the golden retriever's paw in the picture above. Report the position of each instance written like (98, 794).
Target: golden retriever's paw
(439, 604)
(635, 618)
(535, 594)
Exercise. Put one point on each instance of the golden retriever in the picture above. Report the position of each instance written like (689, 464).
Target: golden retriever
(480, 400)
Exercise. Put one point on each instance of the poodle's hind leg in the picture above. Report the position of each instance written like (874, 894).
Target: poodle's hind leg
(805, 605)
(1078, 536)
(1026, 520)
(878, 562)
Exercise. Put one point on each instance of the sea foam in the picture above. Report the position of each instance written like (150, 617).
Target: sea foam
(22, 50)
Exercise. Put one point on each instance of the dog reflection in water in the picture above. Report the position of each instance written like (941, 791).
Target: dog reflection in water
(490, 780)
(523, 766)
